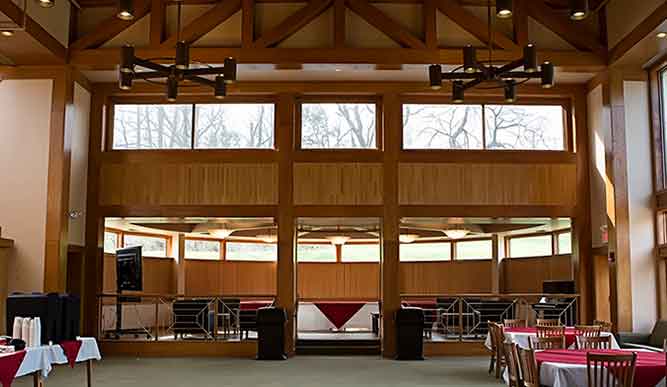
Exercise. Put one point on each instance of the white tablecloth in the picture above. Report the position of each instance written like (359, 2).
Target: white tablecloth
(523, 339)
(43, 358)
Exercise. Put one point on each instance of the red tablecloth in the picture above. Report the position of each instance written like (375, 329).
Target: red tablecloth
(649, 371)
(339, 312)
(71, 349)
(254, 305)
(9, 366)
(424, 304)
(570, 333)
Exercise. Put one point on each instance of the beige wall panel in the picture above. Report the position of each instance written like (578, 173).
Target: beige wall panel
(487, 184)
(158, 275)
(356, 281)
(188, 184)
(337, 184)
(445, 277)
(247, 278)
(525, 275)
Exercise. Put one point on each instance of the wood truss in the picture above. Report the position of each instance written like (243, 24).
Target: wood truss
(590, 53)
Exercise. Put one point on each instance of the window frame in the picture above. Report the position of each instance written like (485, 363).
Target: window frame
(119, 238)
(455, 254)
(221, 252)
(187, 100)
(337, 252)
(443, 241)
(168, 242)
(554, 242)
(565, 104)
(298, 123)
(225, 242)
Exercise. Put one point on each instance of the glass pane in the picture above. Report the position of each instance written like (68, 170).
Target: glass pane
(234, 125)
(360, 253)
(110, 242)
(151, 246)
(338, 125)
(415, 252)
(534, 246)
(474, 249)
(524, 127)
(152, 127)
(565, 243)
(663, 91)
(316, 253)
(442, 126)
(242, 251)
(202, 249)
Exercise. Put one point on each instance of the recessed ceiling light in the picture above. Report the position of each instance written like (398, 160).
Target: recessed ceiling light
(661, 35)
(7, 33)
(47, 3)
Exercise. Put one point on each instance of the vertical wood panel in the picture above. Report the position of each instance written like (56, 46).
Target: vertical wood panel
(525, 275)
(355, 281)
(338, 183)
(446, 277)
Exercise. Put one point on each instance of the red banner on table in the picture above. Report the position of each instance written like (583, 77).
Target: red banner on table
(71, 349)
(9, 366)
(649, 370)
(339, 313)
(254, 305)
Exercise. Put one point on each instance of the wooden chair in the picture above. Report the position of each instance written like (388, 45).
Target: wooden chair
(547, 322)
(591, 342)
(605, 326)
(528, 365)
(512, 360)
(514, 323)
(588, 330)
(497, 351)
(552, 342)
(611, 370)
(550, 331)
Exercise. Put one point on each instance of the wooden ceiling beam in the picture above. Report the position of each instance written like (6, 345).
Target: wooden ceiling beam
(650, 23)
(111, 27)
(429, 21)
(339, 23)
(520, 23)
(158, 22)
(34, 29)
(571, 31)
(108, 58)
(293, 23)
(474, 25)
(205, 23)
(247, 23)
(384, 23)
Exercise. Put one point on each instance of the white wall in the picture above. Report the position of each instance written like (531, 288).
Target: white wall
(25, 108)
(78, 117)
(598, 126)
(640, 191)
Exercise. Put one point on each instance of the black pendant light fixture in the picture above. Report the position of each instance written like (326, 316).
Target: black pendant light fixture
(488, 75)
(181, 73)
(578, 9)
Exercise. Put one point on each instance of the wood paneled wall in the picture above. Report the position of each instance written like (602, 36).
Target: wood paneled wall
(225, 277)
(339, 281)
(160, 183)
(338, 184)
(158, 275)
(487, 184)
(446, 277)
(525, 275)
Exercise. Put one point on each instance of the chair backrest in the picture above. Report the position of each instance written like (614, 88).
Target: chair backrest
(551, 342)
(591, 342)
(588, 330)
(605, 326)
(611, 370)
(528, 365)
(547, 322)
(514, 323)
(512, 359)
(550, 330)
(497, 338)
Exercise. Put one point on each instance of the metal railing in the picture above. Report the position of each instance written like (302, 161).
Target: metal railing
(173, 317)
(464, 317)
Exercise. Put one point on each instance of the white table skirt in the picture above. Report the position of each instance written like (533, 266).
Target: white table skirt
(523, 339)
(43, 358)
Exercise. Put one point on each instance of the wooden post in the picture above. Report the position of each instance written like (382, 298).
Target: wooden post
(6, 246)
(180, 266)
(391, 293)
(286, 283)
(495, 266)
(89, 373)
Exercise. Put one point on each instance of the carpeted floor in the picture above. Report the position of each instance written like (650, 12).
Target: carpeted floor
(303, 371)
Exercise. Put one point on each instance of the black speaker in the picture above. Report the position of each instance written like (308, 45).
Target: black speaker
(58, 313)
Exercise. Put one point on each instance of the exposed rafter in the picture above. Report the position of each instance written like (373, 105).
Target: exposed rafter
(474, 25)
(206, 22)
(247, 23)
(571, 31)
(158, 22)
(520, 23)
(384, 23)
(111, 27)
(32, 28)
(293, 23)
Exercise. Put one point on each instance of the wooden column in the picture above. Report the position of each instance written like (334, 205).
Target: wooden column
(619, 221)
(180, 265)
(57, 201)
(94, 253)
(286, 281)
(390, 284)
(581, 224)
(6, 246)
(495, 266)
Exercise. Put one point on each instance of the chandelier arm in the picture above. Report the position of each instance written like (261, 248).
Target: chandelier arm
(200, 80)
(150, 65)
(456, 76)
(145, 75)
(523, 74)
(204, 71)
(510, 66)
(471, 84)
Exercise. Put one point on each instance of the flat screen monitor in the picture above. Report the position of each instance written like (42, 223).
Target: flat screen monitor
(558, 287)
(128, 269)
